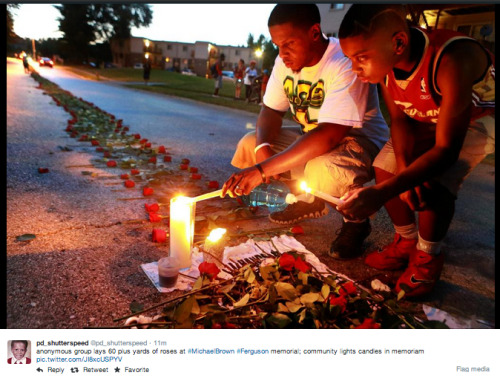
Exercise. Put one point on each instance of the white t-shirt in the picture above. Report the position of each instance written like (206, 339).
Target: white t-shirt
(249, 72)
(328, 92)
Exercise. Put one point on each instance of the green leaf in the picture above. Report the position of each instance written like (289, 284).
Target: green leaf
(294, 306)
(302, 315)
(198, 283)
(25, 237)
(401, 294)
(303, 277)
(243, 301)
(249, 275)
(325, 291)
(136, 307)
(269, 273)
(196, 308)
(184, 310)
(278, 320)
(283, 308)
(309, 298)
(286, 290)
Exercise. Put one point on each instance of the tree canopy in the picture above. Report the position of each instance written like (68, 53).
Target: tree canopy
(83, 24)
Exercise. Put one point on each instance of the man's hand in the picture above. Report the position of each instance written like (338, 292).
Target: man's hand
(242, 182)
(361, 203)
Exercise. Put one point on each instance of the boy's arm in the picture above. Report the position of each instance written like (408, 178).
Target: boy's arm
(268, 128)
(462, 64)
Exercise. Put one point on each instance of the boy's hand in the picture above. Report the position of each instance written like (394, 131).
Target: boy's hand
(417, 197)
(361, 203)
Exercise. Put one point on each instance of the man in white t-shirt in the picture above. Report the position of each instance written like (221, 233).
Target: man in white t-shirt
(341, 127)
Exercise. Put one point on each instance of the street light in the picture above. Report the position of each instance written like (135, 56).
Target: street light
(258, 54)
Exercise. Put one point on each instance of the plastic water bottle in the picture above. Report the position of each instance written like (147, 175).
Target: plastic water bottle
(275, 196)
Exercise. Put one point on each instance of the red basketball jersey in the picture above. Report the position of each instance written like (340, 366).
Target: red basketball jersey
(419, 96)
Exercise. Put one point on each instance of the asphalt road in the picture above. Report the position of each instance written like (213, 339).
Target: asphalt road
(82, 270)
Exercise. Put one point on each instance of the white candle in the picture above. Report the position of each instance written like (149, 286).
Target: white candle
(182, 211)
(317, 193)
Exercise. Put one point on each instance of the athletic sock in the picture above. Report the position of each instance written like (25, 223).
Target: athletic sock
(428, 247)
(407, 231)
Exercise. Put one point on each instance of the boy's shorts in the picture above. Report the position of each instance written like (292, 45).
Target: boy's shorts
(479, 142)
(218, 82)
(347, 166)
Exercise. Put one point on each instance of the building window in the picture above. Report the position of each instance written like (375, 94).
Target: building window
(169, 47)
(336, 7)
(184, 48)
(236, 52)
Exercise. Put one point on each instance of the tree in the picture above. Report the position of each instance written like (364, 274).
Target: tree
(11, 36)
(75, 25)
(270, 54)
(82, 24)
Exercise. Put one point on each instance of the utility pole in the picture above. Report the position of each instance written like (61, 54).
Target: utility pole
(33, 48)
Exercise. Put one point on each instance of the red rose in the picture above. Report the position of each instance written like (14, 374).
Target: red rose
(338, 301)
(183, 167)
(83, 138)
(143, 141)
(195, 176)
(229, 326)
(209, 269)
(107, 154)
(348, 288)
(135, 171)
(152, 159)
(111, 163)
(193, 170)
(161, 149)
(43, 170)
(123, 132)
(117, 130)
(95, 142)
(185, 161)
(287, 261)
(126, 128)
(167, 159)
(124, 176)
(213, 184)
(152, 208)
(159, 235)
(154, 217)
(146, 191)
(99, 149)
(129, 184)
(137, 136)
(297, 229)
(69, 128)
(368, 323)
(302, 265)
(148, 145)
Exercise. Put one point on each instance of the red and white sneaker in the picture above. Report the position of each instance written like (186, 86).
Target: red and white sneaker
(421, 275)
(393, 256)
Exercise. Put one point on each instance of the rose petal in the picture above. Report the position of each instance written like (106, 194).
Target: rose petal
(159, 235)
(146, 191)
(111, 163)
(129, 184)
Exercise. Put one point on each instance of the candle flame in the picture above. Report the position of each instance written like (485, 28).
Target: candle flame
(216, 234)
(304, 187)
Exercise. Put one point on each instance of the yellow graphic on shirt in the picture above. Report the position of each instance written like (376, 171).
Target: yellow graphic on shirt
(305, 101)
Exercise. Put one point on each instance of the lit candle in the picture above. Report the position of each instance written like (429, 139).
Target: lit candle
(317, 193)
(182, 211)
(214, 245)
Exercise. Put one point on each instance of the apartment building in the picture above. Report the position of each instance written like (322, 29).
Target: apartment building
(172, 55)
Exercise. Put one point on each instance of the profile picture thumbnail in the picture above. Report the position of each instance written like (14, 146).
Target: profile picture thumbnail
(19, 352)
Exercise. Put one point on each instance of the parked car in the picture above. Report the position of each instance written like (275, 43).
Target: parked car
(45, 61)
(138, 66)
(227, 73)
(187, 72)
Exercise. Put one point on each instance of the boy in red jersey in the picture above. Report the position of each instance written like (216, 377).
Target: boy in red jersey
(439, 89)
